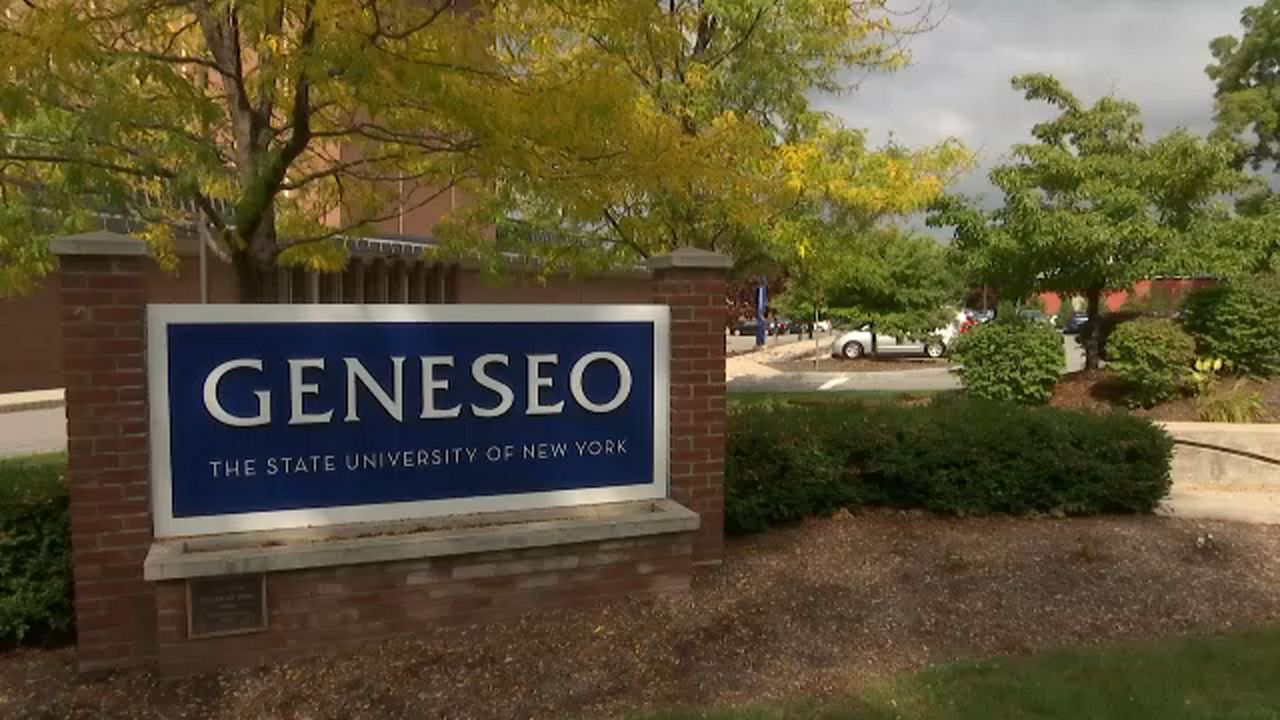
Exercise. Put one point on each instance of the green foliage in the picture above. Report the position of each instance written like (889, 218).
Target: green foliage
(1007, 313)
(1154, 358)
(1091, 204)
(1016, 361)
(907, 284)
(276, 127)
(782, 472)
(957, 456)
(1247, 89)
(35, 549)
(1235, 404)
(1239, 321)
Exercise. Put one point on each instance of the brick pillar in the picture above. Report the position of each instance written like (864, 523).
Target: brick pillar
(693, 283)
(103, 294)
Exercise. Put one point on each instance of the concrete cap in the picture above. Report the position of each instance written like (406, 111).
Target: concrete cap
(285, 550)
(98, 242)
(688, 257)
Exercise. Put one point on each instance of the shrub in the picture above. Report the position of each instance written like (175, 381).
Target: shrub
(787, 464)
(957, 456)
(1238, 321)
(1016, 361)
(1153, 357)
(35, 549)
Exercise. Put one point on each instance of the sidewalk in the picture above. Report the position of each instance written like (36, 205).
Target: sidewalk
(755, 362)
(31, 400)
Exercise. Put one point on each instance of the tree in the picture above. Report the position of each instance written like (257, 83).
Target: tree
(273, 126)
(1247, 102)
(1092, 204)
(1247, 94)
(722, 149)
(901, 282)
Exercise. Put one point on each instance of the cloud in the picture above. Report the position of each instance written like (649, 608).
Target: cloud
(1150, 51)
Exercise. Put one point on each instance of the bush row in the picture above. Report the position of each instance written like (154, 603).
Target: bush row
(35, 550)
(1235, 321)
(958, 456)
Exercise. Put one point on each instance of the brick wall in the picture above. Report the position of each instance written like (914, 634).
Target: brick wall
(103, 302)
(697, 298)
(325, 608)
(31, 346)
(475, 287)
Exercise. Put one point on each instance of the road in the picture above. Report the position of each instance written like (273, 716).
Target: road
(928, 379)
(33, 431)
(734, 344)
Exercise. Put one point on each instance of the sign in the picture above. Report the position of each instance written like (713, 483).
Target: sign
(762, 307)
(226, 605)
(291, 416)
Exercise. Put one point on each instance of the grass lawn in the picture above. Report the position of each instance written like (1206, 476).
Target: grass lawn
(1224, 678)
(23, 477)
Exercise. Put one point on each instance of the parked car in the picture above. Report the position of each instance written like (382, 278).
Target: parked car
(857, 343)
(748, 327)
(1036, 316)
(1075, 323)
(822, 326)
(983, 316)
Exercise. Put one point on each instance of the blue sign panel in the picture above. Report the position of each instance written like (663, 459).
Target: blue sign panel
(288, 416)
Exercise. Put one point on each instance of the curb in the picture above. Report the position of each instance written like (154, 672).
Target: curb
(32, 400)
(31, 405)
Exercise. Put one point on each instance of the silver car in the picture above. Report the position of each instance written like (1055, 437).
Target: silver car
(857, 343)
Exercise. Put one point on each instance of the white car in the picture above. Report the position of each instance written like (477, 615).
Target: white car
(822, 326)
(857, 343)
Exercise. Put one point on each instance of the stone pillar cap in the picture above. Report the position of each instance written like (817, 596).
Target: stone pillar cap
(98, 242)
(689, 257)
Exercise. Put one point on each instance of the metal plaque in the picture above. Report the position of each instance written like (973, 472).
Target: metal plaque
(227, 605)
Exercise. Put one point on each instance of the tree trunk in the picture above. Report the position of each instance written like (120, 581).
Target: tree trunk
(257, 285)
(1093, 338)
(255, 262)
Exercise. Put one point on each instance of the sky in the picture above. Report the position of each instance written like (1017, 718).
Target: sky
(1150, 51)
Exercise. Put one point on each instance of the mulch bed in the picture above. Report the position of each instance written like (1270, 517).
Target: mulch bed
(1098, 390)
(811, 610)
(834, 364)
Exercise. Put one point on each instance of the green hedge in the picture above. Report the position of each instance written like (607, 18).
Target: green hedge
(958, 456)
(35, 550)
(1019, 361)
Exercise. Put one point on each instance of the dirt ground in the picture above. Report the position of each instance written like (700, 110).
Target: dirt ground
(834, 364)
(1099, 391)
(809, 610)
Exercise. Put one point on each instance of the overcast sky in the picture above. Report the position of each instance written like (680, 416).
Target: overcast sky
(1150, 51)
